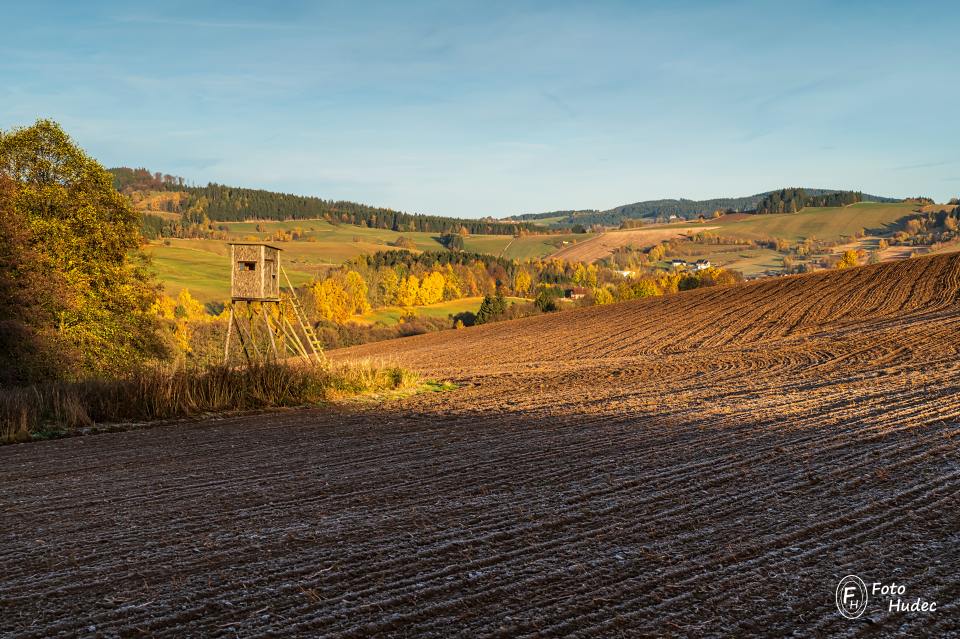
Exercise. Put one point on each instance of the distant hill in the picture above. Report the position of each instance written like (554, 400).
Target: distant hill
(220, 203)
(682, 208)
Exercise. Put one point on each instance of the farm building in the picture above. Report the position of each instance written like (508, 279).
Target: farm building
(576, 293)
(678, 264)
(255, 272)
(701, 265)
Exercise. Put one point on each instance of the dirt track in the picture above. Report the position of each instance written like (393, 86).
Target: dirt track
(708, 463)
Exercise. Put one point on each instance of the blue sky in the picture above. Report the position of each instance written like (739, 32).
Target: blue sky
(495, 108)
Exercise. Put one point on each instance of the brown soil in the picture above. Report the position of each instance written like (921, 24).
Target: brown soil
(710, 463)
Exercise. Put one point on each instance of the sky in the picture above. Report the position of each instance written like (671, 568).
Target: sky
(498, 108)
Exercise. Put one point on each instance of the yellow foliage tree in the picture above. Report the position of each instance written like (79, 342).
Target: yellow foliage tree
(389, 281)
(408, 291)
(165, 307)
(431, 289)
(580, 275)
(452, 289)
(592, 275)
(521, 283)
(849, 259)
(189, 308)
(602, 296)
(646, 288)
(356, 289)
(331, 300)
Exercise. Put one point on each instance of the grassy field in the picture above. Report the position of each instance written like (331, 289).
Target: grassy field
(522, 248)
(392, 314)
(830, 224)
(341, 240)
(746, 259)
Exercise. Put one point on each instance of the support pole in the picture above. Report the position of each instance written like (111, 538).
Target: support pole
(226, 343)
(236, 321)
(266, 321)
(252, 334)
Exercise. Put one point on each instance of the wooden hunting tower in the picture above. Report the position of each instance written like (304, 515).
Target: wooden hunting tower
(255, 276)
(260, 307)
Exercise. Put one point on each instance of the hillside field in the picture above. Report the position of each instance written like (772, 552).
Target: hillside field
(202, 266)
(709, 463)
(604, 244)
(194, 263)
(829, 224)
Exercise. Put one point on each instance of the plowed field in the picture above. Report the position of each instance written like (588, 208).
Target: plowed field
(605, 244)
(710, 463)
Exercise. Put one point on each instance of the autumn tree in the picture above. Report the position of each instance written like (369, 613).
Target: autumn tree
(408, 291)
(848, 259)
(83, 236)
(356, 290)
(580, 275)
(431, 289)
(389, 281)
(602, 296)
(452, 288)
(521, 283)
(331, 300)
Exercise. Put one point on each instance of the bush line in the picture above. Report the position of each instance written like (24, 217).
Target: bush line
(163, 392)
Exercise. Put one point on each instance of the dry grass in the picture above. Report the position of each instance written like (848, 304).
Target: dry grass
(166, 392)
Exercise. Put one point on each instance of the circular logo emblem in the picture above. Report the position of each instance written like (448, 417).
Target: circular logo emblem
(851, 596)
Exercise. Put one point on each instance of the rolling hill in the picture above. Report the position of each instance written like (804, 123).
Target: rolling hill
(682, 208)
(339, 231)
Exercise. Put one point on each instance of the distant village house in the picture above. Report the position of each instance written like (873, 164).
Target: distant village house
(576, 293)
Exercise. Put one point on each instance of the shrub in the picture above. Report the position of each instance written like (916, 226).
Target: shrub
(548, 299)
(165, 392)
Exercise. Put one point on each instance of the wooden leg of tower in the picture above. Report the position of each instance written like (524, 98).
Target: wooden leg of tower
(251, 334)
(266, 322)
(226, 344)
(243, 342)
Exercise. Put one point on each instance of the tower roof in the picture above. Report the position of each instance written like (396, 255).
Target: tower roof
(275, 248)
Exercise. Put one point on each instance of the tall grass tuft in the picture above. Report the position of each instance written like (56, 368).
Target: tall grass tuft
(163, 392)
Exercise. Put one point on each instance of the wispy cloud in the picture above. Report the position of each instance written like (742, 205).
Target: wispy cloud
(211, 24)
(560, 104)
(923, 165)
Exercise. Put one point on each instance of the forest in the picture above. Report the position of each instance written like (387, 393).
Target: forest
(793, 200)
(220, 203)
